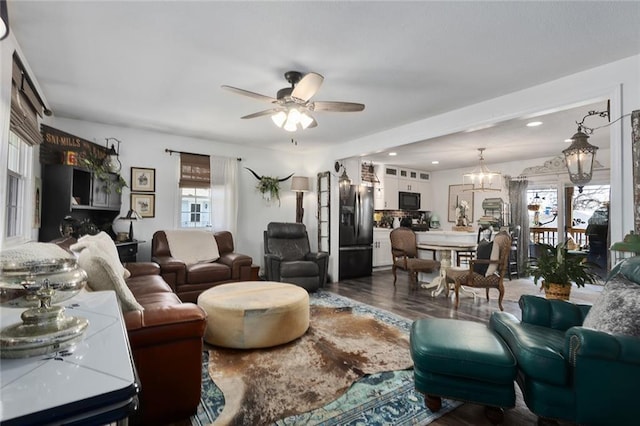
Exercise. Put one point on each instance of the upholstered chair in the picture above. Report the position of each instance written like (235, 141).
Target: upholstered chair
(487, 270)
(288, 257)
(404, 251)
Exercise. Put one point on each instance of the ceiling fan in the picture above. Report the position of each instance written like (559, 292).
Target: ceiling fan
(292, 105)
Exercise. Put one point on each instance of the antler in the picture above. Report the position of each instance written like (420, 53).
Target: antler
(254, 173)
(260, 177)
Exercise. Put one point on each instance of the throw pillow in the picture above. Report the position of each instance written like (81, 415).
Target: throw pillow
(616, 309)
(483, 252)
(102, 243)
(630, 269)
(495, 255)
(101, 275)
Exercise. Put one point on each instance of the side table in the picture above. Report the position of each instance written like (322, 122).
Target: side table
(128, 250)
(93, 383)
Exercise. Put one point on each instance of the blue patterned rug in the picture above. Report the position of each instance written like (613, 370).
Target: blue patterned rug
(378, 399)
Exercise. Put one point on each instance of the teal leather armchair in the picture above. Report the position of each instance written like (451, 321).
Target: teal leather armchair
(567, 371)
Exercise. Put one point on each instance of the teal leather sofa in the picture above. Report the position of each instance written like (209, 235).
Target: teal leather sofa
(575, 373)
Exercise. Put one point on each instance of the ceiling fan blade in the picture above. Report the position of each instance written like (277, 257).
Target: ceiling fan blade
(253, 95)
(337, 106)
(261, 113)
(308, 86)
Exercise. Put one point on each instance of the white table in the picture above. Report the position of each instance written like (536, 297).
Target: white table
(93, 383)
(445, 249)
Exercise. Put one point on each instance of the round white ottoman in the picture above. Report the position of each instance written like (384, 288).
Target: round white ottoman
(254, 314)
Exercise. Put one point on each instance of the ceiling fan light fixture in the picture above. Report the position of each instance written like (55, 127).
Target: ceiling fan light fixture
(305, 120)
(279, 118)
(291, 125)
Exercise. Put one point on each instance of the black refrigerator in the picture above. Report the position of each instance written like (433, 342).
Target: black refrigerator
(356, 232)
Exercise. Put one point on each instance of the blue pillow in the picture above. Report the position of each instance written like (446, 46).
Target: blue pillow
(483, 252)
(628, 268)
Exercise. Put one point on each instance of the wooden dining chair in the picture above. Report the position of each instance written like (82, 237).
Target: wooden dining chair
(404, 252)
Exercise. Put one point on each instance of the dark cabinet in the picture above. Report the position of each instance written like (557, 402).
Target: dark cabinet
(76, 192)
(128, 251)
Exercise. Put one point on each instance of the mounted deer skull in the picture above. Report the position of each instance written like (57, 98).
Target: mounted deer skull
(268, 186)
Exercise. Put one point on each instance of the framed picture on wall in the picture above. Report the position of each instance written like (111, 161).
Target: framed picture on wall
(144, 204)
(457, 193)
(143, 180)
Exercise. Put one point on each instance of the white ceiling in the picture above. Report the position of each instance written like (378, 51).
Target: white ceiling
(159, 65)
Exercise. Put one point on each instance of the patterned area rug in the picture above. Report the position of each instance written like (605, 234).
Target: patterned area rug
(381, 398)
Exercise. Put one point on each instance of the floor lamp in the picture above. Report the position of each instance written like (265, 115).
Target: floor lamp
(299, 185)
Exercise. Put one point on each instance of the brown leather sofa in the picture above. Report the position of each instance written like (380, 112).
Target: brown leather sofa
(188, 281)
(166, 345)
(166, 342)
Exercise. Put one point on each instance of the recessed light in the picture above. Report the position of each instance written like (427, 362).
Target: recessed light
(393, 154)
(435, 162)
(534, 123)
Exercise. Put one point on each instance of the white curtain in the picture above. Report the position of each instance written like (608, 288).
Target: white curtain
(224, 194)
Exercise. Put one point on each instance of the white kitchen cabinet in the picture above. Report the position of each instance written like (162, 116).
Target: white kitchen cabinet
(408, 185)
(425, 196)
(390, 171)
(390, 193)
(385, 193)
(381, 247)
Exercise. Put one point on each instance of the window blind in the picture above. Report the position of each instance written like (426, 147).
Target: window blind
(195, 171)
(26, 105)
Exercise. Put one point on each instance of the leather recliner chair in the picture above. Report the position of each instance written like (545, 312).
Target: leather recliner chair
(288, 257)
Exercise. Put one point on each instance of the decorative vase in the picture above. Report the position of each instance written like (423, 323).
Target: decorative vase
(557, 291)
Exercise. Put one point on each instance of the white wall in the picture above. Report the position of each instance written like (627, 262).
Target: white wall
(618, 81)
(140, 148)
(440, 182)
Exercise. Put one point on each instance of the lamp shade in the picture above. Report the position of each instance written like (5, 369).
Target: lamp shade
(579, 158)
(300, 184)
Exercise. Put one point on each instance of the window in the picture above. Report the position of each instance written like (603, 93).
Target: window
(18, 180)
(195, 210)
(195, 191)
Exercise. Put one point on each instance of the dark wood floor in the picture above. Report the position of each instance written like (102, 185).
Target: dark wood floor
(378, 290)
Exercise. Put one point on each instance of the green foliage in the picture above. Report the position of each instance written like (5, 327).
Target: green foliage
(271, 186)
(97, 166)
(556, 265)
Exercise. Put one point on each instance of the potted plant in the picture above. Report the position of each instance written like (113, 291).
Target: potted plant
(101, 171)
(559, 269)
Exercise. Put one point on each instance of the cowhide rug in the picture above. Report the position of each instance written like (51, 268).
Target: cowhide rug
(261, 386)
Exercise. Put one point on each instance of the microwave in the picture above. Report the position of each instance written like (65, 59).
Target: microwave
(409, 200)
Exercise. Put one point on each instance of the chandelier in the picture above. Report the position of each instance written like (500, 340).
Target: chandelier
(481, 179)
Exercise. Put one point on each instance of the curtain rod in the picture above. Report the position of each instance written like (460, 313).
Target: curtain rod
(171, 151)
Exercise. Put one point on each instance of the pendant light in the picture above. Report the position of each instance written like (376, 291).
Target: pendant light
(481, 179)
(579, 159)
(580, 154)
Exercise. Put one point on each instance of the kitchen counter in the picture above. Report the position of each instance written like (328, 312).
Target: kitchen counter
(442, 237)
